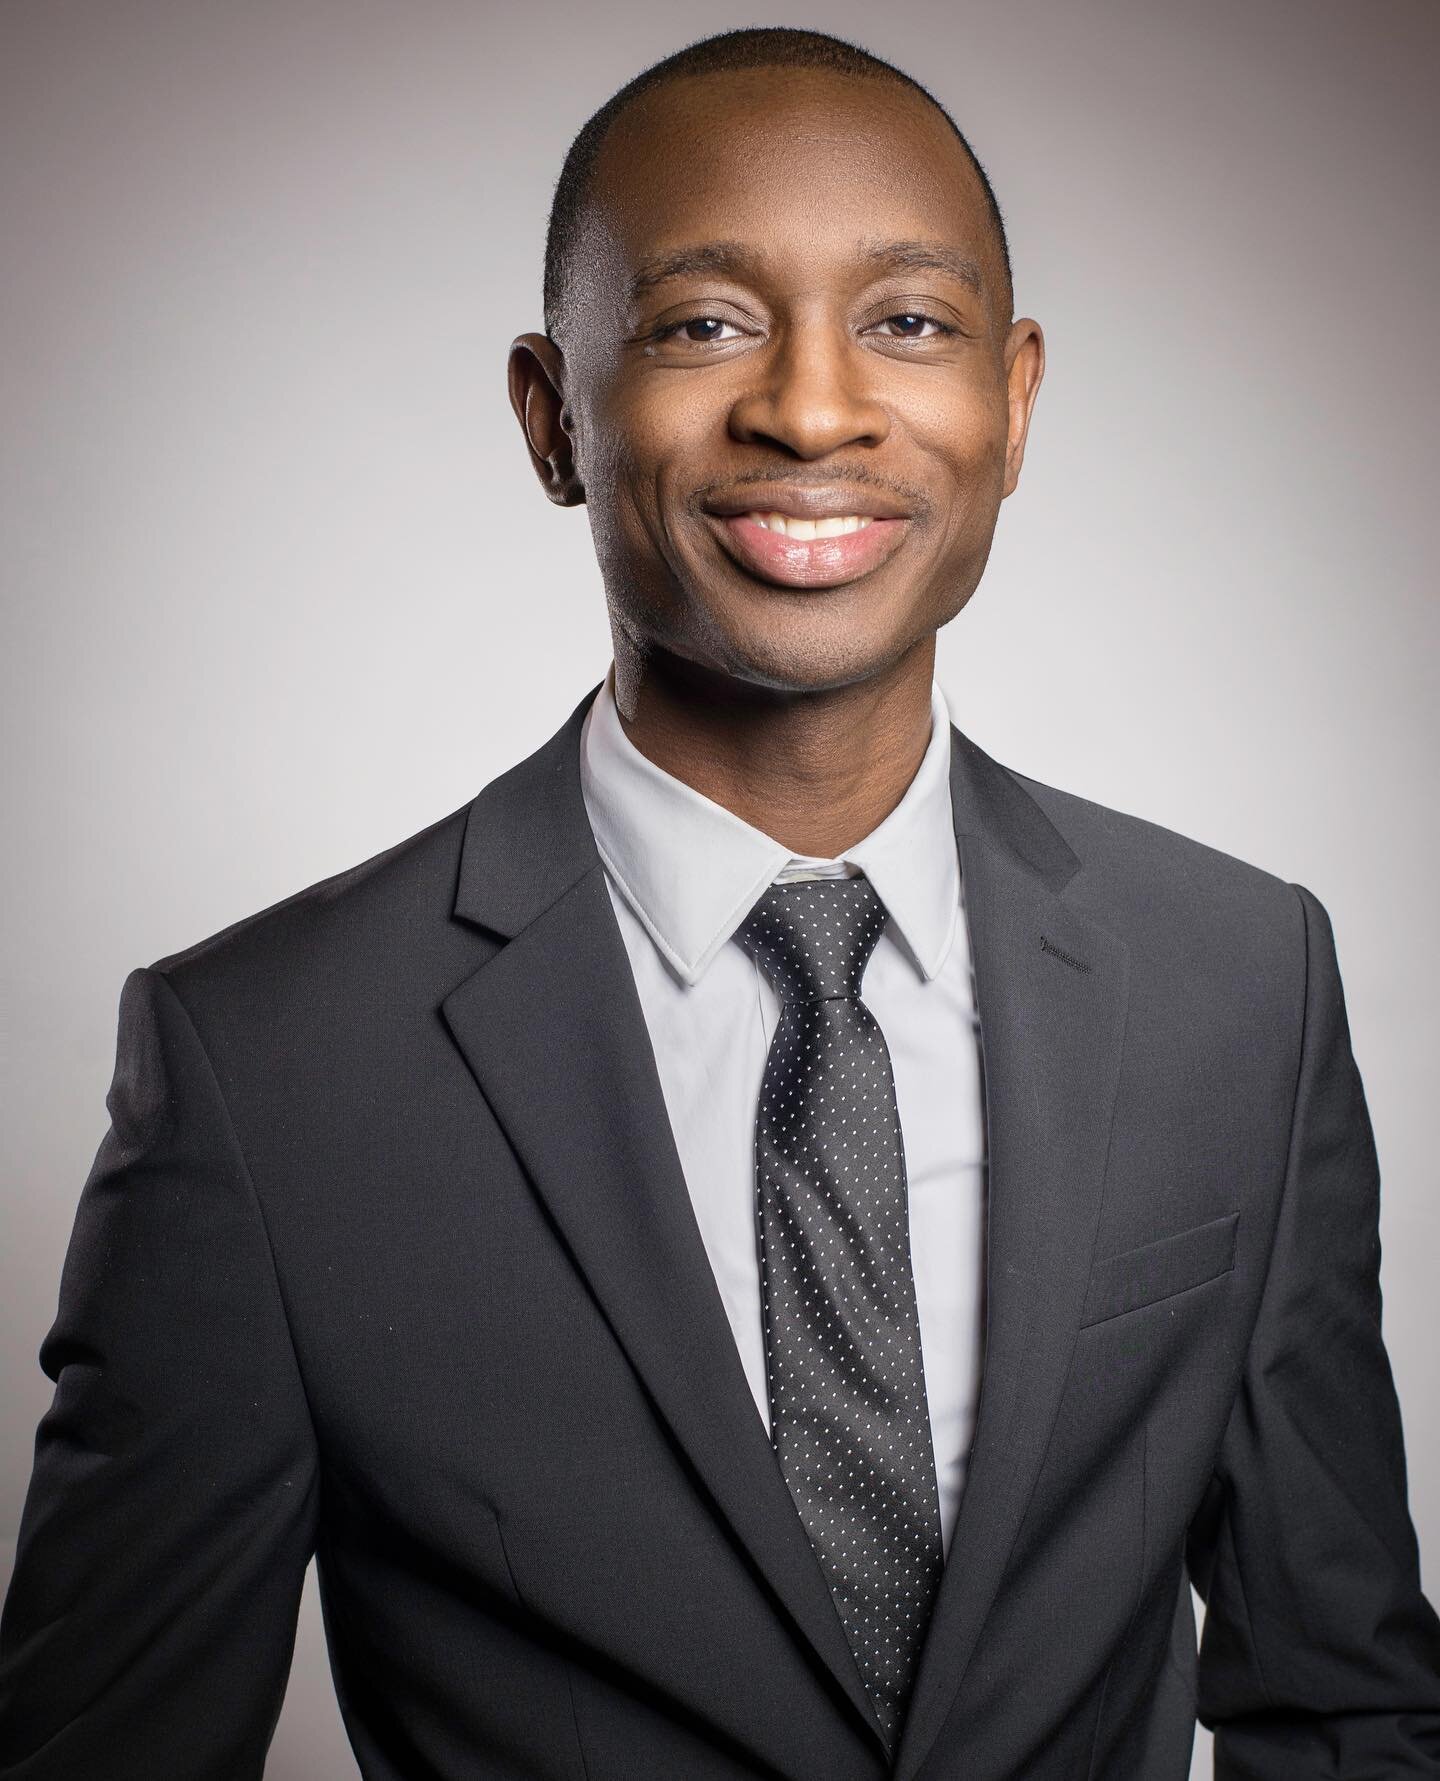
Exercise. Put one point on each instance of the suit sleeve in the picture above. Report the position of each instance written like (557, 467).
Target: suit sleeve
(150, 1621)
(1320, 1656)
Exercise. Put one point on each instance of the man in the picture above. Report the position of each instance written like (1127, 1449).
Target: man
(766, 1243)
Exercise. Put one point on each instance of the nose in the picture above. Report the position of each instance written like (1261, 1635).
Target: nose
(813, 395)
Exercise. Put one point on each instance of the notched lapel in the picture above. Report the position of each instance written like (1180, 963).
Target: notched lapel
(554, 1034)
(553, 1031)
(1052, 989)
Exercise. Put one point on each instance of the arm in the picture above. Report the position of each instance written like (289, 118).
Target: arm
(150, 1622)
(1320, 1657)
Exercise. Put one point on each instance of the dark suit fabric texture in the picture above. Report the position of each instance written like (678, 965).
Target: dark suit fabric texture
(387, 1257)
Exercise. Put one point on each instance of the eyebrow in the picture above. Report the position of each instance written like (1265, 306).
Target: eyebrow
(733, 257)
(691, 262)
(928, 256)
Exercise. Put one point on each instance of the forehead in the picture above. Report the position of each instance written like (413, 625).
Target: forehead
(804, 162)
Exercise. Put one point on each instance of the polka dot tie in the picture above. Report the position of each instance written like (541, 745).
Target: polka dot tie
(849, 1420)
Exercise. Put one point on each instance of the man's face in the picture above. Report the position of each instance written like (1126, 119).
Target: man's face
(789, 301)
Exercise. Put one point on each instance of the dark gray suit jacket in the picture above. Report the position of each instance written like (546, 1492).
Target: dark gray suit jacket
(388, 1256)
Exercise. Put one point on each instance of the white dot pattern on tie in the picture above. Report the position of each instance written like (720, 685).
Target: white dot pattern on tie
(849, 1419)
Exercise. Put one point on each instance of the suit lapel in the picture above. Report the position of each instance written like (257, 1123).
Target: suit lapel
(554, 1034)
(1052, 990)
(553, 1031)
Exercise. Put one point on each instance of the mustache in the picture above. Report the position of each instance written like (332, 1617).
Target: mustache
(813, 476)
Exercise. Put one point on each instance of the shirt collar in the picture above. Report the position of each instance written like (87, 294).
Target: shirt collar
(692, 870)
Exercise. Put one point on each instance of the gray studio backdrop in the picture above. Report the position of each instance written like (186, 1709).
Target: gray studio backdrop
(279, 589)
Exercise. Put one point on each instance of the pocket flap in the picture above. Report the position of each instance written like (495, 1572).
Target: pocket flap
(1158, 1270)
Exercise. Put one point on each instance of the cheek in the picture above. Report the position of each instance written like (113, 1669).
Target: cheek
(965, 442)
(615, 470)
(639, 445)
(964, 429)
(676, 447)
(616, 528)
(626, 496)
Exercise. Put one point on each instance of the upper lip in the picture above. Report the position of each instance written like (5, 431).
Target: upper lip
(808, 503)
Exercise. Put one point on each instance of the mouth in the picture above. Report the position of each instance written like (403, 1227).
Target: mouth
(811, 552)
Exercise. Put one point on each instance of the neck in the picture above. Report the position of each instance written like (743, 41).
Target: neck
(816, 770)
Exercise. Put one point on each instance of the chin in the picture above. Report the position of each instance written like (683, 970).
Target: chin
(818, 665)
(831, 644)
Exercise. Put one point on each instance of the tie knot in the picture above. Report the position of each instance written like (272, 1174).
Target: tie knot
(813, 938)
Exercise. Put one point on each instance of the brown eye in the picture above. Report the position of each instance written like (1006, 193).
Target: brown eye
(687, 330)
(911, 321)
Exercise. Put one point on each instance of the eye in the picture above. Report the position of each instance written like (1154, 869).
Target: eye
(912, 320)
(674, 330)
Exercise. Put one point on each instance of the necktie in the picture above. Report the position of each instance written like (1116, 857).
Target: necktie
(849, 1420)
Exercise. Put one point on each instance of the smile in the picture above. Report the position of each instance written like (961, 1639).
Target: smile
(818, 552)
(834, 526)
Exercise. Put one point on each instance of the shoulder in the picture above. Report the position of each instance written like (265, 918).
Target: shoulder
(350, 933)
(1171, 894)
(1118, 844)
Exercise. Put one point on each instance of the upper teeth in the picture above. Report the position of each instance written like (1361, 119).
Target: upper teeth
(830, 527)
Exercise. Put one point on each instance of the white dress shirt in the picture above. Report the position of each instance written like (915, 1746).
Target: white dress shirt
(683, 873)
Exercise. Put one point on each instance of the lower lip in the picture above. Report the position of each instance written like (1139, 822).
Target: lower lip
(812, 562)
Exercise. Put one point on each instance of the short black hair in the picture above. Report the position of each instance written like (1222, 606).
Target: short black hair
(771, 46)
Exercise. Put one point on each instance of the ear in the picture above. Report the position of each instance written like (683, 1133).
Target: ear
(537, 383)
(1024, 368)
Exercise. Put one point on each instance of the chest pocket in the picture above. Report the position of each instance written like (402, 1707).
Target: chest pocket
(1159, 1270)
